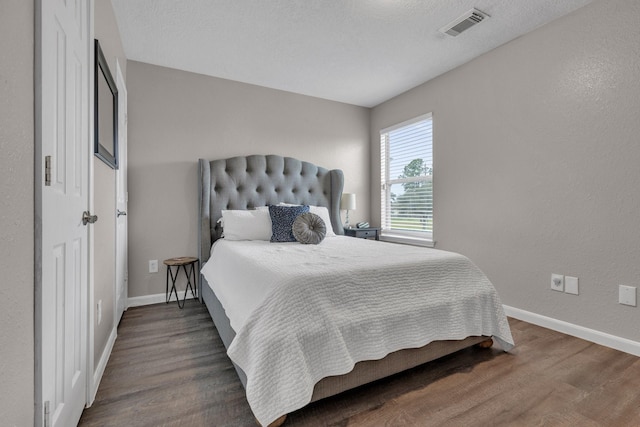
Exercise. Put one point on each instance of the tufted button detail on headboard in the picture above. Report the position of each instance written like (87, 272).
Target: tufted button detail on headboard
(247, 182)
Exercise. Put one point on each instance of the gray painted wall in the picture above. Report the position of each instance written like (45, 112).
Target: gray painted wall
(16, 212)
(104, 273)
(106, 31)
(537, 160)
(175, 117)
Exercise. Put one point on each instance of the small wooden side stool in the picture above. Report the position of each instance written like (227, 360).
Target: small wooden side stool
(184, 262)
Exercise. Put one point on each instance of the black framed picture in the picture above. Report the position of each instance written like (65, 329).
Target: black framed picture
(106, 111)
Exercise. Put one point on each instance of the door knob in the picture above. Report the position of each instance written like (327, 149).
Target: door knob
(119, 212)
(87, 218)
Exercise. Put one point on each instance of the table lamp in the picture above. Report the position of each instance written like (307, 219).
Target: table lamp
(348, 202)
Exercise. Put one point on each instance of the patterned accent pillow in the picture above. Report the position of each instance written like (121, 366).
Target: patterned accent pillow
(309, 228)
(282, 218)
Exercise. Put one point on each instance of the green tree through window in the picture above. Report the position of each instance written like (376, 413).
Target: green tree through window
(409, 207)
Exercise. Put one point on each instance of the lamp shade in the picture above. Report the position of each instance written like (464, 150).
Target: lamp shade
(348, 201)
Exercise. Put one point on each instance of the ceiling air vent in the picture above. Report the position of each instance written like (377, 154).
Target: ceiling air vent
(467, 20)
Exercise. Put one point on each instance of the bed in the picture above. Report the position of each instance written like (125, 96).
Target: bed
(257, 331)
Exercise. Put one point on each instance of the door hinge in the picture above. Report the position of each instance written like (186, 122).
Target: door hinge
(47, 415)
(47, 170)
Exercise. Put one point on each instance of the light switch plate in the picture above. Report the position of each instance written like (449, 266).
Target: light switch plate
(627, 295)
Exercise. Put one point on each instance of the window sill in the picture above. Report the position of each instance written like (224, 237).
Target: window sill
(407, 240)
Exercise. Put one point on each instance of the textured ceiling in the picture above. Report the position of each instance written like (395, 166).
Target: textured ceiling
(361, 52)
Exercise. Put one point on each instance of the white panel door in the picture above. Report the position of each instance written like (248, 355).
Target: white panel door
(65, 140)
(122, 275)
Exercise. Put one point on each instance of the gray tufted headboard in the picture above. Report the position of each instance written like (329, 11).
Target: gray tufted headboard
(247, 182)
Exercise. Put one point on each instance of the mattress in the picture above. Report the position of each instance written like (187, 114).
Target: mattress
(305, 312)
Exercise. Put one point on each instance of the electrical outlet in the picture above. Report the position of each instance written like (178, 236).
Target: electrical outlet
(571, 285)
(99, 309)
(153, 266)
(627, 295)
(557, 282)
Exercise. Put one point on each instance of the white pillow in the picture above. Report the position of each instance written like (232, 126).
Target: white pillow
(246, 225)
(323, 213)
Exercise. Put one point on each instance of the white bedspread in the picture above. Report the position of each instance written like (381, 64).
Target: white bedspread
(304, 312)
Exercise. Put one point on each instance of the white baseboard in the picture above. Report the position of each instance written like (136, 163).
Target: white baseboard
(607, 340)
(102, 364)
(146, 300)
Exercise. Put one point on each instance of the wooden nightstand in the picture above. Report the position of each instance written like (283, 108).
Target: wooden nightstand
(363, 233)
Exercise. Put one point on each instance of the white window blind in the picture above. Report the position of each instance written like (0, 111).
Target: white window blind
(406, 154)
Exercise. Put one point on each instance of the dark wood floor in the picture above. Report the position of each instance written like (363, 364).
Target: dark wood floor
(169, 368)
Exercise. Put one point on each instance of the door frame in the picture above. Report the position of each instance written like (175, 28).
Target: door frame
(92, 388)
(121, 181)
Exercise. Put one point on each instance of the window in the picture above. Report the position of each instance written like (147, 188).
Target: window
(406, 158)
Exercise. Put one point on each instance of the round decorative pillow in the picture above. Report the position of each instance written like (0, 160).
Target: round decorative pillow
(309, 228)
